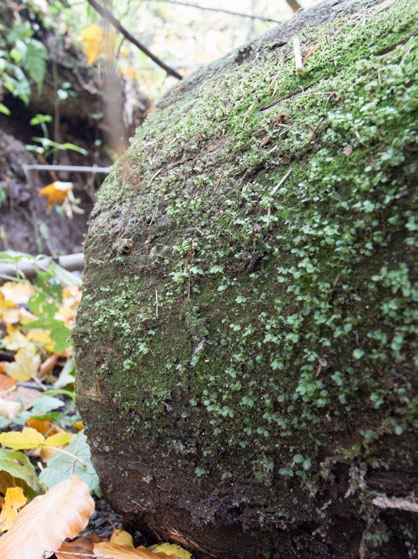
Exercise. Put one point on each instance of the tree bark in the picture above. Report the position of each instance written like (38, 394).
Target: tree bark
(245, 339)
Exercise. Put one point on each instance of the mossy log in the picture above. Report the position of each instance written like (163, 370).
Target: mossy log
(245, 339)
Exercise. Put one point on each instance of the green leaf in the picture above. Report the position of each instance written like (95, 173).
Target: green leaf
(67, 375)
(34, 60)
(61, 466)
(45, 404)
(59, 333)
(16, 464)
(4, 110)
(40, 119)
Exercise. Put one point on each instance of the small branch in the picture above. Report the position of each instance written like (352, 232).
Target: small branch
(29, 268)
(229, 12)
(298, 55)
(395, 503)
(117, 25)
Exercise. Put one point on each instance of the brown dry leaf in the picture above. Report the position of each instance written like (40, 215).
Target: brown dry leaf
(79, 546)
(13, 501)
(115, 551)
(46, 521)
(23, 395)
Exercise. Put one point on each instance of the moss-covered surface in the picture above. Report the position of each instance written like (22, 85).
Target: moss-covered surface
(245, 341)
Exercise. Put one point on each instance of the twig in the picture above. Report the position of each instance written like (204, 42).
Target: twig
(117, 25)
(395, 503)
(229, 12)
(73, 554)
(298, 56)
(31, 266)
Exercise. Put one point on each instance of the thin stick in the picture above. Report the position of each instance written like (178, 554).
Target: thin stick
(298, 55)
(117, 25)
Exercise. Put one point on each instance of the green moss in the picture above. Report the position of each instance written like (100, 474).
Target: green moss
(250, 264)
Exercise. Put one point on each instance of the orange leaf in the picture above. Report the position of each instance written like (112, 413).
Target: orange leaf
(13, 501)
(46, 521)
(56, 193)
(79, 546)
(43, 426)
(115, 551)
(7, 385)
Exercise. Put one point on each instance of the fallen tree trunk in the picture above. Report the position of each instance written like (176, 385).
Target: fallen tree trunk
(244, 343)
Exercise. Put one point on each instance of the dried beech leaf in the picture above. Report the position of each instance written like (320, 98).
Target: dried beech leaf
(73, 550)
(47, 520)
(109, 550)
(9, 410)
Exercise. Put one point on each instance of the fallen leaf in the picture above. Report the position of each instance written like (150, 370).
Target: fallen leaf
(13, 501)
(7, 385)
(45, 522)
(115, 551)
(15, 465)
(121, 537)
(22, 440)
(76, 459)
(43, 426)
(25, 366)
(15, 340)
(80, 546)
(56, 193)
(8, 409)
(16, 292)
(30, 439)
(23, 395)
(168, 548)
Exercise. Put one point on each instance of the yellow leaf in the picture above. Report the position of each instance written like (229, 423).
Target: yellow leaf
(92, 38)
(59, 439)
(15, 340)
(110, 550)
(47, 520)
(56, 193)
(13, 501)
(170, 548)
(17, 293)
(41, 338)
(26, 439)
(97, 41)
(25, 365)
(121, 537)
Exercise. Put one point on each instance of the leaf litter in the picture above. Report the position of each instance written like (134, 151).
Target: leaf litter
(46, 473)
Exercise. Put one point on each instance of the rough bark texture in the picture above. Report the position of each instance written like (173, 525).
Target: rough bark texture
(244, 344)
